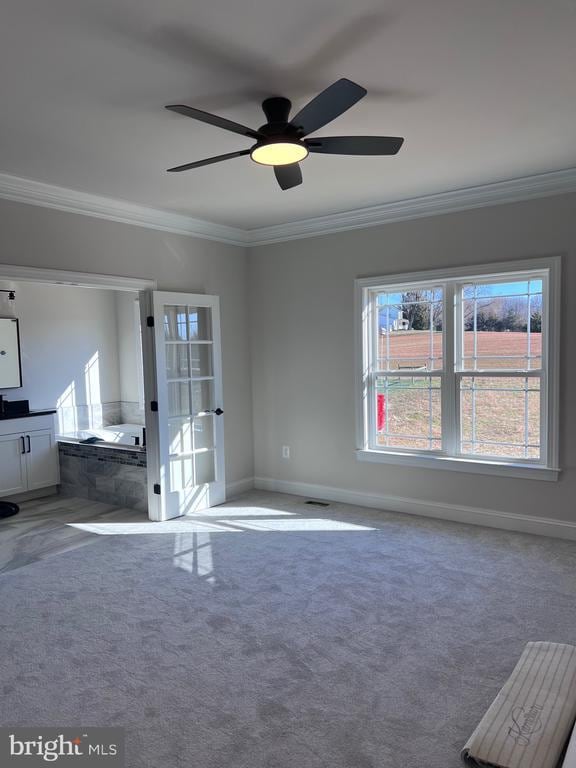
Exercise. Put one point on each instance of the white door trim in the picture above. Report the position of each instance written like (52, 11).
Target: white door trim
(76, 279)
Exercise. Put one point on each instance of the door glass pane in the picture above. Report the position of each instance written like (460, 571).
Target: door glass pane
(178, 399)
(180, 435)
(199, 323)
(204, 466)
(175, 328)
(177, 361)
(181, 473)
(500, 416)
(200, 359)
(202, 399)
(408, 412)
(203, 432)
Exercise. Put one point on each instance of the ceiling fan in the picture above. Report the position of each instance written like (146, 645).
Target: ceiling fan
(282, 142)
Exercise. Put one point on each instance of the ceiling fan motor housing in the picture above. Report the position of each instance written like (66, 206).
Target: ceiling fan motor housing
(282, 142)
(277, 111)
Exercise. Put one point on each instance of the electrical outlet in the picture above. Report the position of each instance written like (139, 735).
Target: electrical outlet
(285, 451)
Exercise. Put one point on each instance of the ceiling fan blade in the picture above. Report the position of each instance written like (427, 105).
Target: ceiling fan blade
(328, 105)
(355, 145)
(208, 161)
(288, 176)
(219, 122)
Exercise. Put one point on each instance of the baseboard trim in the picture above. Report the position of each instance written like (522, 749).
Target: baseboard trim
(39, 493)
(239, 486)
(491, 518)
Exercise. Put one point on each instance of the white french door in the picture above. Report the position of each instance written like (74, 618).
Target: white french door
(184, 408)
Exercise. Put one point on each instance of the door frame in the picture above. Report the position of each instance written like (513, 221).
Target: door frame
(22, 274)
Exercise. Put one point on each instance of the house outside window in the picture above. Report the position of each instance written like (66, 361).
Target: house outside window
(459, 368)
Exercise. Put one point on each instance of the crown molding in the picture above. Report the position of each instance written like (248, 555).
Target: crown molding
(498, 193)
(69, 200)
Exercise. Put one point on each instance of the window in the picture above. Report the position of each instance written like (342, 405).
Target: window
(459, 368)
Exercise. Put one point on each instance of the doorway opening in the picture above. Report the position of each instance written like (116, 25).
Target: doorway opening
(81, 366)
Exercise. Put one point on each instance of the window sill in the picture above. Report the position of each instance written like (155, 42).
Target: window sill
(472, 466)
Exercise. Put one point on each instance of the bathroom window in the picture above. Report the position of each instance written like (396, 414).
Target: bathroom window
(458, 369)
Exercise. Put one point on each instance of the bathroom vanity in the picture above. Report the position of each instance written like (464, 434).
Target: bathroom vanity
(28, 453)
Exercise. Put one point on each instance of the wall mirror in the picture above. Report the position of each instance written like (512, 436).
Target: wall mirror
(10, 367)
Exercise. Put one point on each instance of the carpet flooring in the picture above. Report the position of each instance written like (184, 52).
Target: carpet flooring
(272, 634)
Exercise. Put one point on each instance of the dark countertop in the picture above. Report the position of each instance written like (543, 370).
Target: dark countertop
(9, 417)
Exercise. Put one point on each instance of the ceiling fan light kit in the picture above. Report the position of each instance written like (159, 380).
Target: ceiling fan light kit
(278, 152)
(281, 142)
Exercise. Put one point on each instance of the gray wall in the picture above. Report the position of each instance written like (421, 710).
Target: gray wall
(303, 345)
(80, 352)
(129, 357)
(61, 328)
(39, 237)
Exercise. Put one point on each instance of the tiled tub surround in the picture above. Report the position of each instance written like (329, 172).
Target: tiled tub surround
(132, 413)
(108, 474)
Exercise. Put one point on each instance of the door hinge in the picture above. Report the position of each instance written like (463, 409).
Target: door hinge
(154, 405)
(157, 489)
(150, 321)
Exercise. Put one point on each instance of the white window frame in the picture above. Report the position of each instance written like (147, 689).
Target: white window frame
(546, 468)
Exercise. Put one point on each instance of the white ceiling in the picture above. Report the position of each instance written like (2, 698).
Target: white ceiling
(482, 90)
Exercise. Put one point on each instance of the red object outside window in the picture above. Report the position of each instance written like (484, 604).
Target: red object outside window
(381, 412)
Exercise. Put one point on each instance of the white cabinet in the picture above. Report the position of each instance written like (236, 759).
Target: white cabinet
(12, 465)
(42, 459)
(28, 454)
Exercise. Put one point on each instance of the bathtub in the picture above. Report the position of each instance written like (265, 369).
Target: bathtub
(115, 435)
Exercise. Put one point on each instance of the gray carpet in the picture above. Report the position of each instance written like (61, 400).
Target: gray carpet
(355, 640)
